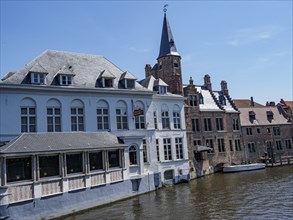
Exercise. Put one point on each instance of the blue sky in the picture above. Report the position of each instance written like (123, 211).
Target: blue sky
(246, 43)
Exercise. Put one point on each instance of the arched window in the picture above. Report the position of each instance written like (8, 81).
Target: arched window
(77, 115)
(53, 115)
(102, 115)
(176, 117)
(28, 115)
(165, 117)
(132, 155)
(139, 115)
(121, 115)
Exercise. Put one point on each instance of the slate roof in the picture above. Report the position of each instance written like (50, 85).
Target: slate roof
(86, 69)
(167, 41)
(228, 107)
(60, 141)
(261, 116)
(209, 103)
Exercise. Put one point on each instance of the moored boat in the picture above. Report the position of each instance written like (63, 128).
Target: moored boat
(243, 167)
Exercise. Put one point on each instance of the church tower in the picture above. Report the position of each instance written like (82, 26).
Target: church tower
(168, 67)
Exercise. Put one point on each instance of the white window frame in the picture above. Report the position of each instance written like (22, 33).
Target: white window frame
(54, 116)
(165, 120)
(38, 78)
(176, 120)
(121, 118)
(104, 117)
(65, 80)
(179, 148)
(167, 149)
(28, 117)
(79, 119)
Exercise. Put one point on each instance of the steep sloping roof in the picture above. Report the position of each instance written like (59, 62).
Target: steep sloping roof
(228, 106)
(261, 116)
(209, 103)
(63, 141)
(167, 41)
(86, 68)
(242, 103)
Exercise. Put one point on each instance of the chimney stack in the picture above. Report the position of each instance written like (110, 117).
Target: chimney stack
(224, 87)
(251, 102)
(207, 82)
(148, 69)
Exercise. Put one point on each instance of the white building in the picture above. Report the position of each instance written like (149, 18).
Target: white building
(71, 93)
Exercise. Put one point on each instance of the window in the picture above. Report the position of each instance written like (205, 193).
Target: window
(49, 166)
(195, 124)
(179, 148)
(249, 131)
(251, 147)
(38, 78)
(102, 118)
(200, 99)
(276, 131)
(77, 122)
(65, 80)
(279, 145)
(268, 130)
(251, 116)
(121, 118)
(129, 83)
(145, 151)
(231, 145)
(18, 169)
(235, 122)
(237, 145)
(139, 119)
(207, 124)
(269, 144)
(165, 120)
(163, 89)
(258, 130)
(132, 155)
(192, 100)
(158, 149)
(167, 149)
(114, 159)
(28, 119)
(270, 116)
(53, 119)
(197, 142)
(221, 145)
(219, 124)
(210, 144)
(96, 160)
(176, 120)
(155, 120)
(74, 163)
(107, 82)
(175, 64)
(288, 144)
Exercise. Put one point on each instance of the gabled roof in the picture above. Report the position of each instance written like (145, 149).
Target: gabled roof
(160, 82)
(60, 141)
(128, 75)
(65, 70)
(37, 68)
(107, 74)
(167, 41)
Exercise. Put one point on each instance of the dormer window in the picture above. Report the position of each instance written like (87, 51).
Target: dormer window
(129, 83)
(65, 80)
(251, 116)
(107, 82)
(270, 116)
(222, 99)
(38, 78)
(162, 89)
(200, 99)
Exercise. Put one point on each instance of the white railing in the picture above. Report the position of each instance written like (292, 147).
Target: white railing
(51, 187)
(116, 175)
(76, 182)
(20, 192)
(98, 179)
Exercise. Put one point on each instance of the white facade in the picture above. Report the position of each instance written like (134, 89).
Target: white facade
(17, 98)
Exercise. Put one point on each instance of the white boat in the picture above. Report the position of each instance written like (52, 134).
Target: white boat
(243, 167)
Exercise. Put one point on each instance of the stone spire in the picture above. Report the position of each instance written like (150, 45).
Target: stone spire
(167, 41)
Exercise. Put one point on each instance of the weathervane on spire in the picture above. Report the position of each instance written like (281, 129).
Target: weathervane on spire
(165, 7)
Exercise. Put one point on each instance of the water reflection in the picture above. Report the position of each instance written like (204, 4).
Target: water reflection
(263, 194)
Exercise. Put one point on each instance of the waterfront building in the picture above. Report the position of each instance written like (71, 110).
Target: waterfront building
(212, 119)
(267, 129)
(121, 138)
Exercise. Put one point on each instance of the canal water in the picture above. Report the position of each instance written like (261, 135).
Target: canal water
(261, 194)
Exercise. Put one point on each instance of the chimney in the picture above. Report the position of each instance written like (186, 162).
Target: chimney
(224, 87)
(251, 102)
(148, 69)
(207, 82)
(272, 103)
(190, 81)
